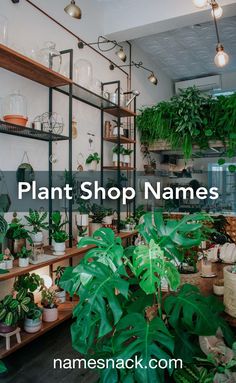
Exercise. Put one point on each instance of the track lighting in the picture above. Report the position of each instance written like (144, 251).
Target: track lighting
(152, 78)
(73, 10)
(221, 58)
(103, 40)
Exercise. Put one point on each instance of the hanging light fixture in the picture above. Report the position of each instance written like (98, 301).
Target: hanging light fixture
(152, 78)
(73, 10)
(221, 57)
(103, 40)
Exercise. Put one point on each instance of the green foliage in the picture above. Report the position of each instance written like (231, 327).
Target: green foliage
(37, 220)
(127, 151)
(28, 282)
(3, 367)
(16, 230)
(98, 212)
(35, 311)
(49, 299)
(84, 206)
(12, 310)
(59, 272)
(60, 236)
(24, 253)
(3, 228)
(118, 149)
(56, 222)
(93, 157)
(190, 118)
(191, 374)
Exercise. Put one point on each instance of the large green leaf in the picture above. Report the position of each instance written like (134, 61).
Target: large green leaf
(2, 367)
(136, 336)
(151, 267)
(173, 236)
(193, 312)
(99, 306)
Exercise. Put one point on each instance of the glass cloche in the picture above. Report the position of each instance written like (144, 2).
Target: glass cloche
(49, 56)
(3, 30)
(15, 104)
(83, 73)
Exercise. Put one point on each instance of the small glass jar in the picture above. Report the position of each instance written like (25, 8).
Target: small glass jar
(50, 57)
(3, 30)
(83, 73)
(15, 104)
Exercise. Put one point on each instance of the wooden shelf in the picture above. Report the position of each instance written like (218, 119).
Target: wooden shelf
(123, 140)
(70, 253)
(17, 63)
(120, 112)
(65, 313)
(128, 168)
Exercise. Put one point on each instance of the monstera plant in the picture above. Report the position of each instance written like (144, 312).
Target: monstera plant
(122, 315)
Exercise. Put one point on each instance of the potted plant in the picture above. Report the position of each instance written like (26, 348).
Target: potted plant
(130, 224)
(115, 129)
(60, 293)
(82, 232)
(33, 321)
(8, 259)
(107, 220)
(50, 305)
(2, 263)
(37, 221)
(12, 310)
(57, 226)
(92, 161)
(150, 166)
(17, 235)
(118, 150)
(218, 287)
(127, 156)
(30, 283)
(24, 256)
(97, 215)
(229, 290)
(82, 218)
(60, 237)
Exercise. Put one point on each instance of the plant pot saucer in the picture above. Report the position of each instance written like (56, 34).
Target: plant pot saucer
(212, 275)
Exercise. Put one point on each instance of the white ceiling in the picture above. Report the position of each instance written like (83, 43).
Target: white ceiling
(189, 52)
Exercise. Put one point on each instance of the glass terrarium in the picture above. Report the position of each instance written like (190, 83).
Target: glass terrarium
(3, 30)
(83, 73)
(50, 57)
(15, 109)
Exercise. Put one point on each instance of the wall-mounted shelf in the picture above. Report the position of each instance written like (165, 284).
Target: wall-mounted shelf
(123, 140)
(21, 131)
(120, 112)
(26, 67)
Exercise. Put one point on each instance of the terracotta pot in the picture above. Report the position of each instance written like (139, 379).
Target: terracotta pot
(5, 329)
(16, 119)
(32, 325)
(50, 315)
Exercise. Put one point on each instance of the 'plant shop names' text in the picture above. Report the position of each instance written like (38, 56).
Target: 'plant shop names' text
(92, 190)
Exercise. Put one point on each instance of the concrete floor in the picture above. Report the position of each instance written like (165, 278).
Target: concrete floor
(34, 362)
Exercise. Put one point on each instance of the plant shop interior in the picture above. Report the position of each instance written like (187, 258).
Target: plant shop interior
(118, 191)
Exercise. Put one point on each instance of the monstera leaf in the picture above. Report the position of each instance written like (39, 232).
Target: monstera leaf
(99, 307)
(109, 249)
(173, 236)
(136, 336)
(193, 312)
(2, 367)
(151, 267)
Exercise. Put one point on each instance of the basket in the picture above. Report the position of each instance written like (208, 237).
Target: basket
(230, 292)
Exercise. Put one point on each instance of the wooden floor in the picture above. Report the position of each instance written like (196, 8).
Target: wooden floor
(34, 362)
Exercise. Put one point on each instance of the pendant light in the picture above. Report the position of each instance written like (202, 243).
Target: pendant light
(111, 45)
(221, 58)
(200, 3)
(121, 54)
(73, 10)
(217, 10)
(152, 78)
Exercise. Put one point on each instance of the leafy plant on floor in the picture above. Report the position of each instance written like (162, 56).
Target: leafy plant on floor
(120, 310)
(37, 221)
(188, 119)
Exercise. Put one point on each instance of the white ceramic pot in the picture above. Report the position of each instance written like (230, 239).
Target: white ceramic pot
(37, 237)
(82, 219)
(108, 220)
(3, 265)
(59, 247)
(61, 295)
(50, 315)
(127, 227)
(93, 166)
(126, 159)
(23, 262)
(218, 290)
(9, 264)
(32, 325)
(93, 227)
(229, 292)
(115, 159)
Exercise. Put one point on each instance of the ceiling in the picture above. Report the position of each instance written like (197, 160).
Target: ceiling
(189, 52)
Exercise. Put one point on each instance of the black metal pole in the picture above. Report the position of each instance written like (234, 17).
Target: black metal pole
(70, 145)
(135, 153)
(102, 146)
(50, 168)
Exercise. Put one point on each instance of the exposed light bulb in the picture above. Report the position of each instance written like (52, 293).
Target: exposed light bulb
(217, 11)
(152, 78)
(121, 54)
(200, 3)
(221, 58)
(73, 10)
